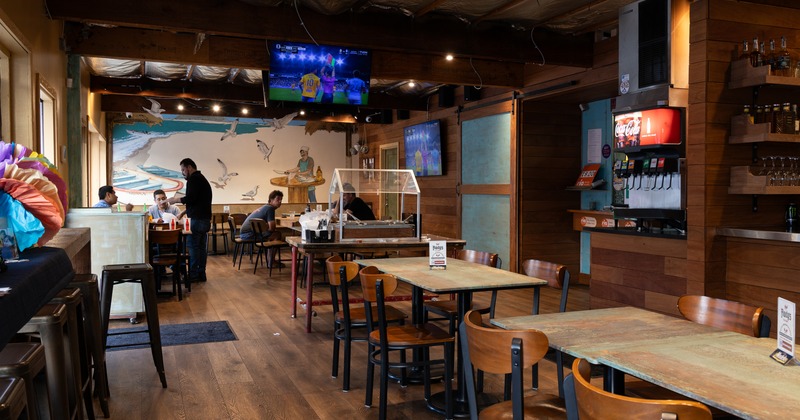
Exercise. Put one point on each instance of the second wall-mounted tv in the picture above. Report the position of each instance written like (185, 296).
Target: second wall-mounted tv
(322, 74)
(423, 148)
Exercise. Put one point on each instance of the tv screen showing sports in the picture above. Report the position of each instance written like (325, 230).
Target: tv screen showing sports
(321, 74)
(423, 148)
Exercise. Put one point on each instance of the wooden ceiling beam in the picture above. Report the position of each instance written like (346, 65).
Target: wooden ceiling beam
(379, 31)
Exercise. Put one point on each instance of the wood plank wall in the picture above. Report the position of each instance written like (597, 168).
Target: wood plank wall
(549, 162)
(718, 28)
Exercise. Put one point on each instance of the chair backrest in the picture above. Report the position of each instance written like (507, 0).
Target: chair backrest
(260, 228)
(164, 244)
(339, 274)
(232, 226)
(375, 286)
(595, 404)
(238, 219)
(477, 257)
(499, 351)
(721, 313)
(164, 237)
(557, 277)
(218, 221)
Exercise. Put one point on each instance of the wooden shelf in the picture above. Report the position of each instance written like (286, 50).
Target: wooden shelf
(745, 75)
(743, 131)
(744, 182)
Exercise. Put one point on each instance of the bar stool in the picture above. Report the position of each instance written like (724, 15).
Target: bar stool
(50, 323)
(87, 283)
(13, 403)
(79, 348)
(27, 361)
(134, 273)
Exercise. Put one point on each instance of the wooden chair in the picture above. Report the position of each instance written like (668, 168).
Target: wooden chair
(725, 314)
(348, 320)
(265, 245)
(399, 338)
(165, 251)
(448, 309)
(505, 352)
(593, 403)
(235, 223)
(218, 230)
(557, 277)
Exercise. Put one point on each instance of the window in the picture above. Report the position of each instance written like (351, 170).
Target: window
(47, 121)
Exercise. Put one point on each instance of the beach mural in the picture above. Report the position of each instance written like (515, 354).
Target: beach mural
(243, 159)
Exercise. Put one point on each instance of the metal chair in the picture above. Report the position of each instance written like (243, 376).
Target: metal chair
(218, 230)
(266, 245)
(165, 251)
(594, 403)
(235, 223)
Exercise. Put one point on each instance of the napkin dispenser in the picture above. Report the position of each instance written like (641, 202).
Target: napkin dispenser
(318, 235)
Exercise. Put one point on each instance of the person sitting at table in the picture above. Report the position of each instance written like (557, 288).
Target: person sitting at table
(267, 213)
(353, 205)
(108, 198)
(162, 211)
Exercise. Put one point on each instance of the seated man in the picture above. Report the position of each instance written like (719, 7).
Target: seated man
(108, 198)
(265, 212)
(353, 205)
(162, 211)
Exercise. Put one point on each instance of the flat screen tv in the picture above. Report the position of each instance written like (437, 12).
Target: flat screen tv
(423, 148)
(319, 74)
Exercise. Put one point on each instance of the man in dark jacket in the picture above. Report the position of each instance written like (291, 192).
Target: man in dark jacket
(198, 210)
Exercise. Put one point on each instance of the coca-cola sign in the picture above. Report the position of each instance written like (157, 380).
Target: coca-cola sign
(649, 127)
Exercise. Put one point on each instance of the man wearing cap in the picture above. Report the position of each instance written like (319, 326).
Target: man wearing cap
(108, 198)
(353, 205)
(198, 210)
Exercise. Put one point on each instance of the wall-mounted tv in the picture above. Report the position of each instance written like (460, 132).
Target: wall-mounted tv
(423, 148)
(323, 74)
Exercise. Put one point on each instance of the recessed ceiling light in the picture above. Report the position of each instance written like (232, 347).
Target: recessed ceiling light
(244, 111)
(411, 84)
(302, 112)
(180, 107)
(215, 108)
(449, 57)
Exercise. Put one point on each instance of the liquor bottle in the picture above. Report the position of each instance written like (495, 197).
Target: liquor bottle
(796, 120)
(776, 119)
(784, 60)
(319, 173)
(745, 50)
(762, 53)
(786, 121)
(759, 118)
(755, 55)
(772, 58)
(747, 113)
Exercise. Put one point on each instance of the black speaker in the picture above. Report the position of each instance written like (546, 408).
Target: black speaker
(386, 116)
(446, 96)
(403, 114)
(471, 93)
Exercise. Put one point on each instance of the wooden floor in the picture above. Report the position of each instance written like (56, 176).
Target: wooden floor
(274, 370)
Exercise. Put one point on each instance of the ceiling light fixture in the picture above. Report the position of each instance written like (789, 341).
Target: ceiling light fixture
(411, 84)
(244, 111)
(302, 112)
(180, 107)
(216, 108)
(449, 57)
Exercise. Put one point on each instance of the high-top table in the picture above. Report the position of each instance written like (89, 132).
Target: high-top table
(365, 245)
(34, 280)
(727, 370)
(460, 277)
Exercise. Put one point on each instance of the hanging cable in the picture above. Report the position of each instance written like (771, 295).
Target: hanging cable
(537, 47)
(303, 23)
(478, 74)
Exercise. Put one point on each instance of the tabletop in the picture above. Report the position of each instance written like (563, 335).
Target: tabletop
(458, 277)
(372, 244)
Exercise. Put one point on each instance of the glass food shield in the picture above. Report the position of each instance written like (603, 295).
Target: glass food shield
(374, 182)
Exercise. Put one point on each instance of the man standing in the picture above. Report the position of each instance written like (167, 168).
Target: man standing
(161, 209)
(198, 210)
(108, 198)
(266, 213)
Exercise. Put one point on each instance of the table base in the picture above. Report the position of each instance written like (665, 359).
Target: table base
(417, 376)
(461, 409)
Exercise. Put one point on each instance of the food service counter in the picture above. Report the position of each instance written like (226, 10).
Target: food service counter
(765, 233)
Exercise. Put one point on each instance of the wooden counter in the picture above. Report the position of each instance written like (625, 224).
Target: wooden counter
(591, 218)
(77, 243)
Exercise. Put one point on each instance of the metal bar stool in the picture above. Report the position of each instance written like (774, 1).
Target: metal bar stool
(79, 348)
(134, 273)
(51, 324)
(27, 361)
(13, 404)
(87, 283)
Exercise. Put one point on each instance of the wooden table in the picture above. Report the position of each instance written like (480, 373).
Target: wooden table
(298, 191)
(723, 369)
(462, 278)
(374, 245)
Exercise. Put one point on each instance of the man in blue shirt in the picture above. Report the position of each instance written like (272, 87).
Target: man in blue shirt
(108, 198)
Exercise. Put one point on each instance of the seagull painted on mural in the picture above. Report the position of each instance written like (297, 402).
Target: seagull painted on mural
(226, 176)
(155, 109)
(279, 123)
(231, 132)
(250, 195)
(264, 149)
(218, 185)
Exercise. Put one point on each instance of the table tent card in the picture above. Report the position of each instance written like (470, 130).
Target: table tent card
(437, 252)
(786, 327)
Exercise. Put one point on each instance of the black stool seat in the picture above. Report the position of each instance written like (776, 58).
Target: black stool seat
(12, 398)
(134, 273)
(90, 291)
(78, 349)
(26, 361)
